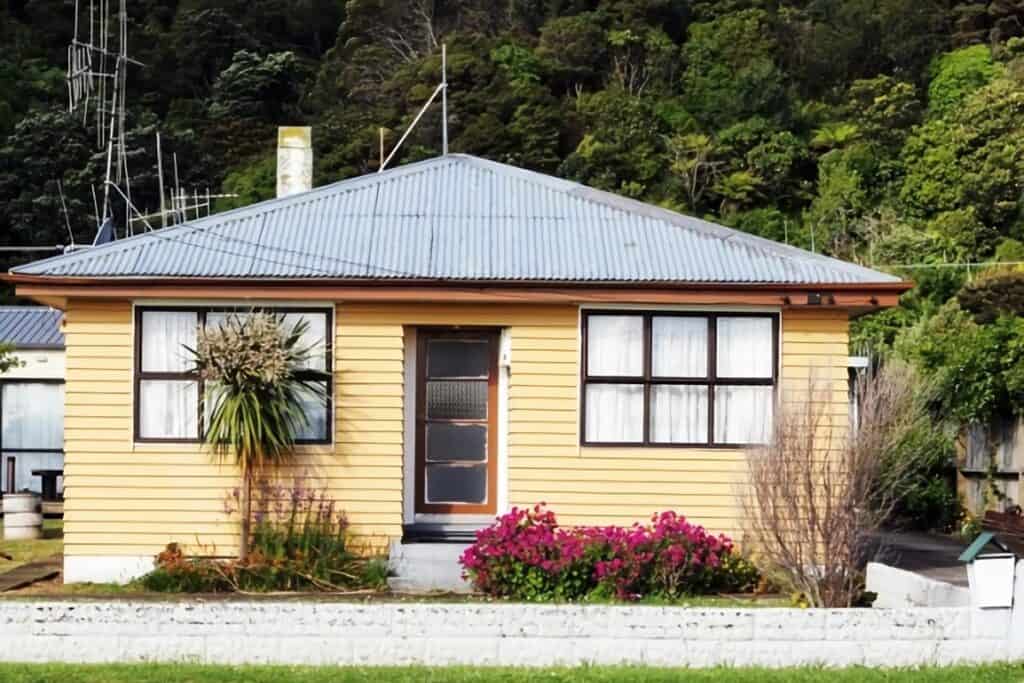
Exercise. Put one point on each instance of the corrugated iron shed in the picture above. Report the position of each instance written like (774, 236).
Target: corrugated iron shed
(456, 218)
(31, 327)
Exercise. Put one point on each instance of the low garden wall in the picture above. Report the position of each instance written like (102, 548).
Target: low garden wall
(307, 632)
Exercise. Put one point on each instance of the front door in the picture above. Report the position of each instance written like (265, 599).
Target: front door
(456, 421)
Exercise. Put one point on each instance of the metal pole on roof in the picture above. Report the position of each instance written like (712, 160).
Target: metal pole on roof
(444, 99)
(160, 179)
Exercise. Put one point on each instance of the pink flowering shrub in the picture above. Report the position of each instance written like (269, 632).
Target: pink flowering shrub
(525, 555)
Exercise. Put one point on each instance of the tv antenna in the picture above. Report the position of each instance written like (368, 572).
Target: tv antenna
(442, 90)
(97, 80)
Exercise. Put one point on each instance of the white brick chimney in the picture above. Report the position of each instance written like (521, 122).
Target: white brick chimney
(294, 160)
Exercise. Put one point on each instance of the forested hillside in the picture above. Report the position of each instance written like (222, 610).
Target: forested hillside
(882, 131)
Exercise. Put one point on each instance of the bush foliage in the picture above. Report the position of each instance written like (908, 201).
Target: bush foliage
(298, 543)
(526, 555)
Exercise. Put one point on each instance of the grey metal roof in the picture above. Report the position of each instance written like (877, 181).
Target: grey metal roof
(458, 218)
(31, 327)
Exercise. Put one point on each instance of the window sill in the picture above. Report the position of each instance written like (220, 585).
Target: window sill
(195, 446)
(673, 446)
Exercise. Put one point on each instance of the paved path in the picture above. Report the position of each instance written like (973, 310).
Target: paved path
(930, 555)
(27, 574)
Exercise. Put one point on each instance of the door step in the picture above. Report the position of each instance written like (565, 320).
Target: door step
(426, 567)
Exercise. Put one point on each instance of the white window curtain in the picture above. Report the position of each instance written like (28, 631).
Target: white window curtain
(33, 415)
(615, 413)
(743, 415)
(615, 345)
(744, 347)
(215, 319)
(168, 409)
(165, 334)
(679, 414)
(679, 346)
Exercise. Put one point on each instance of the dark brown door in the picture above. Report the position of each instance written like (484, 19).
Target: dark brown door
(456, 421)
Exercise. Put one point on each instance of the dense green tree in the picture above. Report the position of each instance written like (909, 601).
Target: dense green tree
(622, 149)
(731, 71)
(575, 49)
(958, 74)
(969, 158)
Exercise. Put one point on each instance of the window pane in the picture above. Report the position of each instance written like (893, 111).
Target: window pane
(33, 415)
(447, 441)
(745, 347)
(314, 407)
(743, 414)
(615, 346)
(679, 414)
(215, 319)
(615, 413)
(165, 334)
(168, 409)
(679, 347)
(458, 358)
(314, 339)
(456, 483)
(457, 400)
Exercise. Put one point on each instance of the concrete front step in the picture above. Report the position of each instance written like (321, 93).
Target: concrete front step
(426, 567)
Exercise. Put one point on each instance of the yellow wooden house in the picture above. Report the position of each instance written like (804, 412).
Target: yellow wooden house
(496, 337)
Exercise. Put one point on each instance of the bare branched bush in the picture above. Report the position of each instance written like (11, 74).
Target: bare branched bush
(823, 486)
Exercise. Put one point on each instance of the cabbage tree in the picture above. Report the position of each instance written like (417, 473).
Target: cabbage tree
(256, 378)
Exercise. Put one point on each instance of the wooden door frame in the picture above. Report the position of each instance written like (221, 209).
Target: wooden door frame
(423, 336)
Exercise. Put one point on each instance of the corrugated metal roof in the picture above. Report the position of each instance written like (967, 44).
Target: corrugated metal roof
(31, 327)
(456, 217)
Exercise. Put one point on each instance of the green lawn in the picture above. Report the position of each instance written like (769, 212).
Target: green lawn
(23, 552)
(151, 673)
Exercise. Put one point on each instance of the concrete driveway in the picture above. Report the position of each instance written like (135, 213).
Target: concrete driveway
(931, 555)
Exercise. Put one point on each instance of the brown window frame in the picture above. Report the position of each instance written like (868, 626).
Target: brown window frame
(201, 313)
(647, 380)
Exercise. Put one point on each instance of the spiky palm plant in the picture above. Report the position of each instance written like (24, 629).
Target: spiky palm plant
(251, 364)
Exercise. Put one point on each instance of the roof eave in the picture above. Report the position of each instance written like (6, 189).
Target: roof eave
(898, 286)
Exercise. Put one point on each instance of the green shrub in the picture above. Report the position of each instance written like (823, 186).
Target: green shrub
(298, 543)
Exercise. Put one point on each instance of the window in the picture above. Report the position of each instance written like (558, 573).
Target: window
(31, 431)
(653, 378)
(168, 404)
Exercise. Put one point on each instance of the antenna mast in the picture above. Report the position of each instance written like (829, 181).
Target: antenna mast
(444, 99)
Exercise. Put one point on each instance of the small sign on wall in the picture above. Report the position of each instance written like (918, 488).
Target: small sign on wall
(991, 580)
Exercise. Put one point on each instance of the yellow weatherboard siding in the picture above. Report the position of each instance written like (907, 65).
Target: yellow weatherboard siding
(123, 498)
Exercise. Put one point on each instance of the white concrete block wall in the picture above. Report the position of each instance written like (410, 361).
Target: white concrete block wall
(900, 588)
(233, 632)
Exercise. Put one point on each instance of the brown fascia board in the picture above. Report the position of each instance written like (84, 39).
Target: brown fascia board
(857, 297)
